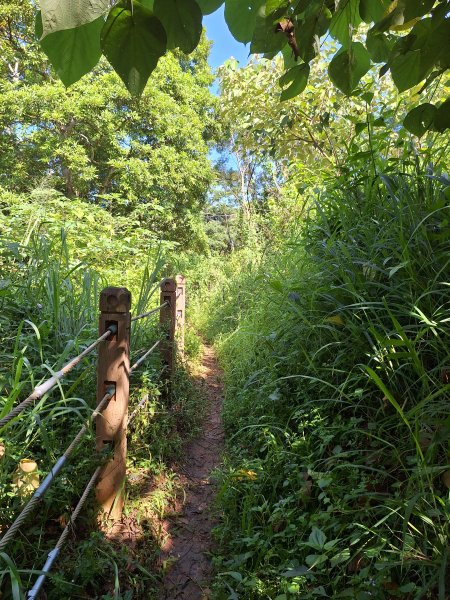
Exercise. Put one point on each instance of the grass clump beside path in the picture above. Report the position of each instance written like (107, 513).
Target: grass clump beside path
(337, 366)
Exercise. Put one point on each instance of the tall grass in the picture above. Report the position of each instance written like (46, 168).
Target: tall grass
(338, 400)
(49, 313)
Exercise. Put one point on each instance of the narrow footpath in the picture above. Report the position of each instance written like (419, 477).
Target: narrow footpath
(189, 542)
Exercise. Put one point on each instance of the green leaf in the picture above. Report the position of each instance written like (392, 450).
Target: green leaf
(297, 77)
(276, 6)
(345, 20)
(379, 46)
(182, 20)
(408, 70)
(426, 45)
(392, 18)
(442, 117)
(408, 587)
(72, 52)
(389, 396)
(317, 538)
(209, 6)
(234, 574)
(265, 37)
(16, 583)
(417, 8)
(420, 119)
(324, 483)
(373, 10)
(312, 560)
(241, 18)
(313, 23)
(348, 67)
(133, 43)
(288, 57)
(307, 39)
(58, 15)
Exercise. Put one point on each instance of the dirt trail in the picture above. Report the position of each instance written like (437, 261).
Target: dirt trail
(188, 540)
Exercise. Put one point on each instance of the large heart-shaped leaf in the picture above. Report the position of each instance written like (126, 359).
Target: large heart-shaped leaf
(266, 38)
(182, 20)
(417, 53)
(209, 6)
(72, 52)
(133, 41)
(379, 46)
(348, 66)
(409, 69)
(241, 18)
(345, 20)
(417, 8)
(420, 119)
(373, 10)
(58, 15)
(442, 117)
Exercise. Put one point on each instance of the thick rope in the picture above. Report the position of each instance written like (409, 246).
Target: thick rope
(42, 489)
(145, 356)
(46, 386)
(53, 554)
(151, 312)
(137, 409)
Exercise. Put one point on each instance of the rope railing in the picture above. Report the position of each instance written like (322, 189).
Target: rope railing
(150, 312)
(46, 386)
(144, 357)
(134, 414)
(53, 554)
(113, 374)
(46, 483)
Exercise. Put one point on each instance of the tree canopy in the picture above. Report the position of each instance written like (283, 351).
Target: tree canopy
(144, 159)
(408, 38)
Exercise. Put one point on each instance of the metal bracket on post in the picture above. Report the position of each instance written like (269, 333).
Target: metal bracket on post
(113, 369)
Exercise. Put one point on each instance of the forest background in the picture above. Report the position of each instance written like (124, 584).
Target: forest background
(314, 235)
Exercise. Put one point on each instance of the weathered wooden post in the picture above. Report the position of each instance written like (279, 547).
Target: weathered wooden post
(168, 320)
(113, 369)
(181, 308)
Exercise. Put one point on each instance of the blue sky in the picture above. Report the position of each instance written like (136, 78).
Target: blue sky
(225, 45)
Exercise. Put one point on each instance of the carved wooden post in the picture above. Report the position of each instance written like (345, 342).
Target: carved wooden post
(113, 369)
(168, 318)
(181, 308)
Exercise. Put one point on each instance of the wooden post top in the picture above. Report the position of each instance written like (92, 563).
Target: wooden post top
(168, 285)
(115, 300)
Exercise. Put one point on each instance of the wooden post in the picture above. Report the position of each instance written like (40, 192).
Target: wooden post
(113, 369)
(168, 319)
(181, 308)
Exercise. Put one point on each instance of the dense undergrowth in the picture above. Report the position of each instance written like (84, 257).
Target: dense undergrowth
(49, 312)
(335, 349)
